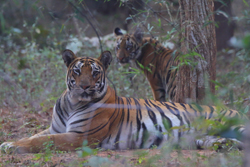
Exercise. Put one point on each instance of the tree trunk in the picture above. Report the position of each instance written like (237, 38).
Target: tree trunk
(246, 160)
(198, 36)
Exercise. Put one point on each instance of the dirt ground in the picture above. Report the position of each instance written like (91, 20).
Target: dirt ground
(116, 157)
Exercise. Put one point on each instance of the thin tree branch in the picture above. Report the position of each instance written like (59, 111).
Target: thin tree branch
(89, 23)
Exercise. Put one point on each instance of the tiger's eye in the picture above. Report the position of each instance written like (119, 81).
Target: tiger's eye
(95, 73)
(73, 81)
(129, 47)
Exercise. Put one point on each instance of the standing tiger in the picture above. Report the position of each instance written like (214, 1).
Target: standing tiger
(149, 53)
(90, 110)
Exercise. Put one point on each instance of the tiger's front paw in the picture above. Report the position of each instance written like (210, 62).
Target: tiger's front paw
(8, 148)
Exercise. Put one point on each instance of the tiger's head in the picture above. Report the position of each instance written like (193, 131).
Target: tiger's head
(85, 77)
(128, 47)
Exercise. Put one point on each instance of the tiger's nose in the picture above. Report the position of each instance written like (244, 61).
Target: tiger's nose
(85, 86)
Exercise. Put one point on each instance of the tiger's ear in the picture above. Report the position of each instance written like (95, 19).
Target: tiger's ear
(105, 58)
(138, 34)
(68, 56)
(118, 31)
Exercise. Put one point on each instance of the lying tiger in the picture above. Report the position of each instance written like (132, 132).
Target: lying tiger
(149, 53)
(90, 110)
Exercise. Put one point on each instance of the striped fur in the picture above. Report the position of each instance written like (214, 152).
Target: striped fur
(151, 54)
(90, 110)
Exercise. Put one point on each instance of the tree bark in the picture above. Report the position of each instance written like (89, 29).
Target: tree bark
(197, 35)
(246, 160)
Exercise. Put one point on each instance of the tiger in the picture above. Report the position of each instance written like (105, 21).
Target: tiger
(156, 61)
(89, 109)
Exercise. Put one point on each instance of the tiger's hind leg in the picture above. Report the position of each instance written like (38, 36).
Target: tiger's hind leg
(218, 143)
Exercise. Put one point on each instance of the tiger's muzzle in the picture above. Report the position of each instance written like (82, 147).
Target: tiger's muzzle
(123, 60)
(82, 94)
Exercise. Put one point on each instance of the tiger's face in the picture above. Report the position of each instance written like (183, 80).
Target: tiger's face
(85, 77)
(128, 47)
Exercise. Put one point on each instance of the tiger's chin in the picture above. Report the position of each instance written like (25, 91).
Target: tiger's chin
(85, 99)
(124, 64)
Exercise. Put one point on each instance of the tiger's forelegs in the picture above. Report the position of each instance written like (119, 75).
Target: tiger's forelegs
(45, 132)
(37, 143)
(159, 93)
